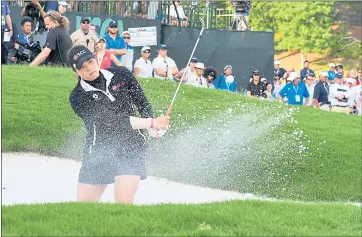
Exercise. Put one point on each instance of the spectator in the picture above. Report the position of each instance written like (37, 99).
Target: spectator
(256, 88)
(92, 30)
(6, 28)
(339, 95)
(25, 37)
(103, 57)
(43, 7)
(114, 43)
(83, 36)
(277, 84)
(331, 72)
(127, 59)
(295, 91)
(269, 94)
(62, 7)
(143, 66)
(359, 103)
(222, 83)
(190, 72)
(140, 9)
(359, 77)
(306, 70)
(58, 41)
(210, 74)
(181, 14)
(278, 70)
(350, 82)
(164, 67)
(199, 80)
(264, 81)
(309, 81)
(339, 68)
(321, 92)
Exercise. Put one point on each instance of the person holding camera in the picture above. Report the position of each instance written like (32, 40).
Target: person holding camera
(58, 41)
(37, 10)
(24, 37)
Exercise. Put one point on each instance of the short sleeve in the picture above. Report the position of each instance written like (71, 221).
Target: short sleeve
(317, 91)
(156, 63)
(137, 64)
(51, 41)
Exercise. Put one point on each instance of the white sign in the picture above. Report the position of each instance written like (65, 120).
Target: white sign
(143, 36)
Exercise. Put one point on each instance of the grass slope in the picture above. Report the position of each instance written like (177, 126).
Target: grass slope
(237, 218)
(37, 117)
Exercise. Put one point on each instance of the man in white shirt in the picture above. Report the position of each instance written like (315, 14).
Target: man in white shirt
(143, 66)
(181, 14)
(310, 83)
(164, 67)
(339, 95)
(198, 80)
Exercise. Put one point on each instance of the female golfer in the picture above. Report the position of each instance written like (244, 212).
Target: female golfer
(114, 147)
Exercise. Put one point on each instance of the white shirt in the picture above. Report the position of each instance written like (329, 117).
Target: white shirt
(336, 90)
(145, 68)
(310, 89)
(127, 59)
(180, 11)
(190, 76)
(197, 81)
(166, 64)
(355, 92)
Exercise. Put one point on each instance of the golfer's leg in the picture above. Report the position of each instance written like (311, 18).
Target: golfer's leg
(125, 188)
(90, 192)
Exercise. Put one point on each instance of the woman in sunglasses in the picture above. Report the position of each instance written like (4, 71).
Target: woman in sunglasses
(57, 43)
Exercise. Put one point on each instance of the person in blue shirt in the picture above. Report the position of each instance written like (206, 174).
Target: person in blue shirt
(295, 91)
(115, 44)
(306, 70)
(331, 72)
(226, 81)
(5, 25)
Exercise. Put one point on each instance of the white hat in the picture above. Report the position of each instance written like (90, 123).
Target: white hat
(228, 66)
(292, 76)
(200, 65)
(63, 3)
(332, 65)
(144, 48)
(350, 80)
(263, 79)
(126, 32)
(324, 74)
(276, 62)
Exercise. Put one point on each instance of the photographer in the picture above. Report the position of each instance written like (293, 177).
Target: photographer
(242, 11)
(38, 9)
(58, 41)
(25, 37)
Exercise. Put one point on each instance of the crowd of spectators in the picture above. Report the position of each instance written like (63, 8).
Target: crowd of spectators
(332, 89)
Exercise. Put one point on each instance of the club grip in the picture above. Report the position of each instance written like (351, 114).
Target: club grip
(169, 110)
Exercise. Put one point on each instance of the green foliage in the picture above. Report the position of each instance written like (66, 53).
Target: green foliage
(302, 26)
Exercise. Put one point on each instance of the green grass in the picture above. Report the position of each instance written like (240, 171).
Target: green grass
(237, 218)
(37, 117)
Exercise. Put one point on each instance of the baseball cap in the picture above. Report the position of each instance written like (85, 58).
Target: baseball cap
(276, 62)
(339, 75)
(332, 65)
(194, 59)
(324, 74)
(144, 48)
(77, 55)
(292, 76)
(101, 39)
(350, 80)
(63, 3)
(263, 79)
(113, 23)
(125, 32)
(256, 72)
(228, 66)
(163, 46)
(200, 65)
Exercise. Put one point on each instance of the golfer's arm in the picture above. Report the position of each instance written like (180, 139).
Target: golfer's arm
(140, 123)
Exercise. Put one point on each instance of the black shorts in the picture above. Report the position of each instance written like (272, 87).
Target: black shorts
(101, 165)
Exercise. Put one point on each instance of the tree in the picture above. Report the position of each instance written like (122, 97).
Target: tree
(298, 26)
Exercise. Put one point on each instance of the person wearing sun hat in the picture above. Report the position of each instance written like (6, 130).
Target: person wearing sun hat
(295, 91)
(226, 81)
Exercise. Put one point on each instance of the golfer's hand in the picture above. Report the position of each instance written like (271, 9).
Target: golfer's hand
(161, 123)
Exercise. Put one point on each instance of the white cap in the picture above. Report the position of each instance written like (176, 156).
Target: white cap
(263, 79)
(144, 48)
(350, 80)
(324, 74)
(228, 66)
(200, 65)
(63, 3)
(126, 32)
(276, 62)
(332, 65)
(292, 76)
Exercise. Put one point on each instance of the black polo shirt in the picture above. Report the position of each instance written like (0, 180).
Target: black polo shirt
(256, 90)
(321, 91)
(59, 41)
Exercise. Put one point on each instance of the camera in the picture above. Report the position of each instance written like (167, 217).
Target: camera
(242, 7)
(29, 54)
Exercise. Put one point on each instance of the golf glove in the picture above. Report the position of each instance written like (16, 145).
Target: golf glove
(154, 133)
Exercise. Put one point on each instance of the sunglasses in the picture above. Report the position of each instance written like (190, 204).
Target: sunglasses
(359, 71)
(146, 51)
(126, 37)
(113, 27)
(85, 22)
